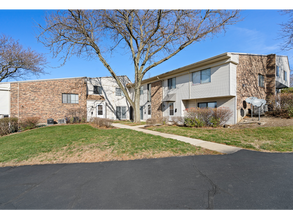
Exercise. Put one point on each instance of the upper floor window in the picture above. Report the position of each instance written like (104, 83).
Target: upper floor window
(285, 75)
(141, 91)
(119, 92)
(200, 77)
(70, 98)
(172, 83)
(261, 80)
(149, 89)
(277, 71)
(98, 90)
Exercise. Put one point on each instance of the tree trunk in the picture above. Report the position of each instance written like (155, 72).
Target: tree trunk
(136, 107)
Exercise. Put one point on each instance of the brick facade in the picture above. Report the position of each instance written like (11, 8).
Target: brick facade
(44, 98)
(156, 99)
(248, 69)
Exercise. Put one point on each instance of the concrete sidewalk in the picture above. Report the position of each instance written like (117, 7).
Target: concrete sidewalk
(222, 148)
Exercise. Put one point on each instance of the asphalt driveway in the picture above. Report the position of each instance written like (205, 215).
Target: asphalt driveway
(243, 180)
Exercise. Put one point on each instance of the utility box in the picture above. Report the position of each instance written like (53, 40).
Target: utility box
(62, 121)
(50, 121)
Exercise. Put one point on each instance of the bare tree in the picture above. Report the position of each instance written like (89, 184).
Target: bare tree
(150, 36)
(286, 32)
(16, 62)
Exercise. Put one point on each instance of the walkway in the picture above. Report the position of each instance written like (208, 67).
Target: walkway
(222, 148)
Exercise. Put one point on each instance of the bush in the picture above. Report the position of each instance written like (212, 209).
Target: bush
(220, 116)
(76, 116)
(101, 122)
(281, 105)
(178, 120)
(8, 125)
(29, 123)
(200, 117)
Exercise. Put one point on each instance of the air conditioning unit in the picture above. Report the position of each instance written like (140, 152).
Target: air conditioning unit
(50, 121)
(62, 121)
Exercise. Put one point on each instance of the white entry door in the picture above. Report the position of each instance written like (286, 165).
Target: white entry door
(101, 111)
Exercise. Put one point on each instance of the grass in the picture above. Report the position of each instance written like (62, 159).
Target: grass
(265, 138)
(73, 139)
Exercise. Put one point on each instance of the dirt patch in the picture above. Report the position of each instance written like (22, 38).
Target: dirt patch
(265, 121)
(89, 155)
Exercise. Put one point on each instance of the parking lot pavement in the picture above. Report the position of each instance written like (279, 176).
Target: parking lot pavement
(243, 180)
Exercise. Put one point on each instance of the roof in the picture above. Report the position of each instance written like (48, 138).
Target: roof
(36, 80)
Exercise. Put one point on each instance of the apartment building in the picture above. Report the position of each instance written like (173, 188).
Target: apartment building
(225, 80)
(58, 98)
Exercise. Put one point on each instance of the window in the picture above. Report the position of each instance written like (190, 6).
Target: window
(277, 71)
(285, 75)
(171, 108)
(70, 98)
(119, 92)
(149, 110)
(121, 112)
(149, 88)
(98, 90)
(141, 91)
(100, 110)
(172, 83)
(261, 80)
(200, 77)
(207, 104)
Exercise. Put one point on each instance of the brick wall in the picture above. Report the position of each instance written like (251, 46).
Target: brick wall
(156, 99)
(248, 69)
(44, 98)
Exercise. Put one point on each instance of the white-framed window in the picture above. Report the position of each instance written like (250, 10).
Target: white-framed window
(100, 109)
(70, 98)
(171, 109)
(172, 83)
(141, 90)
(149, 90)
(121, 112)
(119, 92)
(277, 69)
(261, 80)
(200, 77)
(149, 110)
(285, 75)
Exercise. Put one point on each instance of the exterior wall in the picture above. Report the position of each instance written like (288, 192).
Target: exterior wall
(44, 98)
(248, 69)
(227, 102)
(111, 101)
(4, 99)
(282, 62)
(219, 85)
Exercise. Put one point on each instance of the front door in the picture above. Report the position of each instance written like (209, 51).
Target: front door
(100, 111)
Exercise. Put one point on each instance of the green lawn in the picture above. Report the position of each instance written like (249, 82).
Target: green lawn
(265, 138)
(69, 138)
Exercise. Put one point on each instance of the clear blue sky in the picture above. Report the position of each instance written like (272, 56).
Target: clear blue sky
(258, 33)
